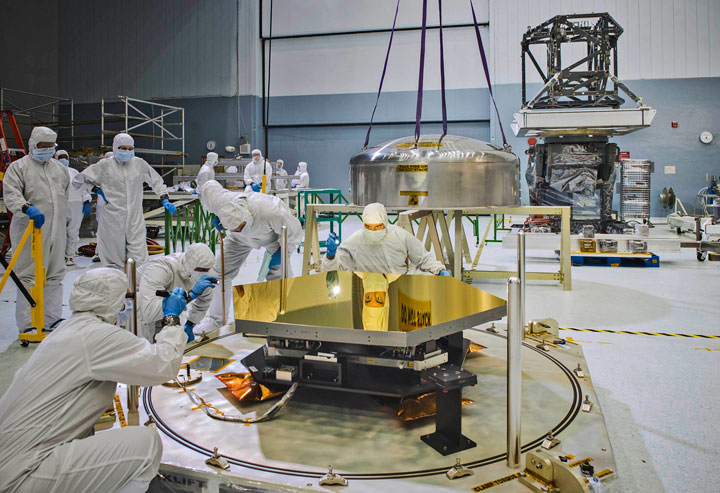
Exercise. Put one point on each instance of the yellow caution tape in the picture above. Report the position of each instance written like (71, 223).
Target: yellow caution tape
(638, 333)
(490, 484)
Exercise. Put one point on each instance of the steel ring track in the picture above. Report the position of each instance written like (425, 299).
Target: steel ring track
(562, 425)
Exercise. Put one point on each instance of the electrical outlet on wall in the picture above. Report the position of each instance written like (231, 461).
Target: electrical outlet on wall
(669, 170)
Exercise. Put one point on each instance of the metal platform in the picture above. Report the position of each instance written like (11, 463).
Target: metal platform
(603, 121)
(362, 437)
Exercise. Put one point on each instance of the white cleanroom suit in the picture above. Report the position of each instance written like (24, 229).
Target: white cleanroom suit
(75, 215)
(44, 185)
(254, 172)
(121, 233)
(169, 272)
(386, 251)
(302, 172)
(47, 414)
(281, 184)
(207, 170)
(265, 215)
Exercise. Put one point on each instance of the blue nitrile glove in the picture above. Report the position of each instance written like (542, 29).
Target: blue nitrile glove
(168, 206)
(189, 332)
(200, 286)
(275, 259)
(102, 194)
(218, 225)
(86, 208)
(256, 187)
(332, 244)
(175, 303)
(445, 273)
(37, 216)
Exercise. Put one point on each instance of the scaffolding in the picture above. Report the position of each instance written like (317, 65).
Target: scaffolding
(32, 109)
(138, 118)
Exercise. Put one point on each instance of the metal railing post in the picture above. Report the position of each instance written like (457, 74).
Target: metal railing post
(514, 372)
(521, 278)
(131, 271)
(283, 253)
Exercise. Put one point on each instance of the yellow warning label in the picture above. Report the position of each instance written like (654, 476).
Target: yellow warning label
(578, 462)
(410, 145)
(410, 193)
(411, 168)
(490, 484)
(119, 411)
(413, 314)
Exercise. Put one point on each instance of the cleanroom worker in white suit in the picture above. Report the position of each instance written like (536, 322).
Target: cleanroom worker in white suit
(36, 187)
(207, 170)
(121, 233)
(187, 270)
(78, 207)
(254, 172)
(47, 414)
(252, 220)
(380, 247)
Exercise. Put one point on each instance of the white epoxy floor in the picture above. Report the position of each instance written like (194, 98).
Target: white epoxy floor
(659, 395)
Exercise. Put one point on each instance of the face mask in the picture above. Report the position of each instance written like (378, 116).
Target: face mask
(124, 156)
(374, 236)
(196, 275)
(64, 162)
(256, 159)
(44, 154)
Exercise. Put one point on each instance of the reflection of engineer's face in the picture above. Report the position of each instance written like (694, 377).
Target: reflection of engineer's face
(375, 302)
(375, 299)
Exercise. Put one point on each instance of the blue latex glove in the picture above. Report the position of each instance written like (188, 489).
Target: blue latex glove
(175, 303)
(86, 208)
(256, 187)
(102, 194)
(168, 206)
(189, 333)
(332, 244)
(275, 259)
(445, 273)
(200, 286)
(37, 216)
(217, 224)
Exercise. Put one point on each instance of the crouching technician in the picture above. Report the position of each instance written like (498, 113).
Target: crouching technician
(47, 414)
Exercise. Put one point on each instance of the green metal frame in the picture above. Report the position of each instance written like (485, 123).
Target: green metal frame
(312, 197)
(190, 224)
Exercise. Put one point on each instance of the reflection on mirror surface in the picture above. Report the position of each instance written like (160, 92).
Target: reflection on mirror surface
(347, 300)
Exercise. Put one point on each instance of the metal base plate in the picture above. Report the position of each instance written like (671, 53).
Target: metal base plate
(445, 446)
(363, 439)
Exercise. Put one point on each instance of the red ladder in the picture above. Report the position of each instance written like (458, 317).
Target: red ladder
(8, 155)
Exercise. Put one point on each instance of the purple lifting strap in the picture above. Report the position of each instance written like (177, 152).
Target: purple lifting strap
(487, 71)
(442, 75)
(382, 78)
(418, 110)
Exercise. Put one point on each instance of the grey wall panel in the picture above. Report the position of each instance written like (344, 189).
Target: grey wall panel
(178, 48)
(29, 44)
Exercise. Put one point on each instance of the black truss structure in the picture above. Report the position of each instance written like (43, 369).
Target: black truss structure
(583, 83)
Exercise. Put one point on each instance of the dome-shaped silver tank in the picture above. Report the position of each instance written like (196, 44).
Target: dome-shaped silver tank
(459, 172)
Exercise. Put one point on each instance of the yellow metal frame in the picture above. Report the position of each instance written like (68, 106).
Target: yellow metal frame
(430, 218)
(37, 292)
